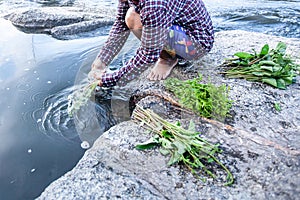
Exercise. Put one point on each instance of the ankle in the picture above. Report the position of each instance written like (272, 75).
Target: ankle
(168, 61)
(167, 55)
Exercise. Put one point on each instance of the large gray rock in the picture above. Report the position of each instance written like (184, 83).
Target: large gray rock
(61, 21)
(261, 145)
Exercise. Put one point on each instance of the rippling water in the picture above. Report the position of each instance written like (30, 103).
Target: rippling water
(39, 142)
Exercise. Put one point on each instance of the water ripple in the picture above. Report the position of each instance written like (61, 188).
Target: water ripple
(87, 125)
(55, 119)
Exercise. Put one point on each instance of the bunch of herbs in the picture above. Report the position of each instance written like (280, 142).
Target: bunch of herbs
(207, 100)
(184, 146)
(80, 97)
(273, 67)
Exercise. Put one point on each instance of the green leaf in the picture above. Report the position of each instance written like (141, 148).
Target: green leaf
(261, 74)
(180, 147)
(166, 134)
(277, 107)
(165, 143)
(210, 160)
(288, 80)
(267, 62)
(268, 68)
(265, 50)
(152, 142)
(174, 158)
(281, 47)
(164, 151)
(270, 81)
(145, 146)
(244, 63)
(281, 84)
(276, 68)
(244, 55)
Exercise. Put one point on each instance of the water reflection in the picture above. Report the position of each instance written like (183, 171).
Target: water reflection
(38, 142)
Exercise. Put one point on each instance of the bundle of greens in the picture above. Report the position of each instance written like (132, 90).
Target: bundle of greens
(80, 97)
(272, 67)
(184, 146)
(207, 100)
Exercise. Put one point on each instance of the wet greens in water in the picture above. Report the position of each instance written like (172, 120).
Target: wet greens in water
(207, 100)
(183, 146)
(273, 67)
(80, 97)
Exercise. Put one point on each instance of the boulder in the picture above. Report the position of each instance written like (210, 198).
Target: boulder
(61, 21)
(260, 145)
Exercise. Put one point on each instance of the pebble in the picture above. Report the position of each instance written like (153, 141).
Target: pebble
(85, 145)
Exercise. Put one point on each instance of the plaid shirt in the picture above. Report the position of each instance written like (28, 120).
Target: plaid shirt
(156, 16)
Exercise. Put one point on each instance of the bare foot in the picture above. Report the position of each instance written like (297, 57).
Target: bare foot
(162, 69)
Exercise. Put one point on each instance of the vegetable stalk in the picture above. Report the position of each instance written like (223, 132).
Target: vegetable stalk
(183, 145)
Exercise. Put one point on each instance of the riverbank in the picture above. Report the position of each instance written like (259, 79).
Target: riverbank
(40, 142)
(261, 148)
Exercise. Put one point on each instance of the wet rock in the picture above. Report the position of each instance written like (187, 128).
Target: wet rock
(43, 19)
(60, 32)
(60, 21)
(55, 2)
(260, 146)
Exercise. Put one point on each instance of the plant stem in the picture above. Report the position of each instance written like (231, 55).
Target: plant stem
(194, 146)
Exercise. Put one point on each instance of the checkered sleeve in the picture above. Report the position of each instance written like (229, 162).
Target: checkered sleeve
(117, 35)
(156, 21)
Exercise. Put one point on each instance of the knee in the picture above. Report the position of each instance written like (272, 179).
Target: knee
(133, 19)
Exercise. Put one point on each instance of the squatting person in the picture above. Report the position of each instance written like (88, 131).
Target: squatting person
(168, 30)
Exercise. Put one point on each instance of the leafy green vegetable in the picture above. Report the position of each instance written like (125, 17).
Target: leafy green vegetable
(272, 67)
(244, 55)
(152, 142)
(183, 146)
(80, 97)
(277, 107)
(207, 100)
(265, 50)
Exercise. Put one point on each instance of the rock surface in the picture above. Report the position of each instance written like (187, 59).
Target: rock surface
(261, 145)
(61, 22)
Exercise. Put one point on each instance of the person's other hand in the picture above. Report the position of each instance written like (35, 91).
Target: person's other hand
(98, 64)
(97, 70)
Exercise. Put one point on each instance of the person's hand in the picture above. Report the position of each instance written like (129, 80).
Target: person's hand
(98, 64)
(98, 68)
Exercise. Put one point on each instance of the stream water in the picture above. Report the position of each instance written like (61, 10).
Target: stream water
(38, 141)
